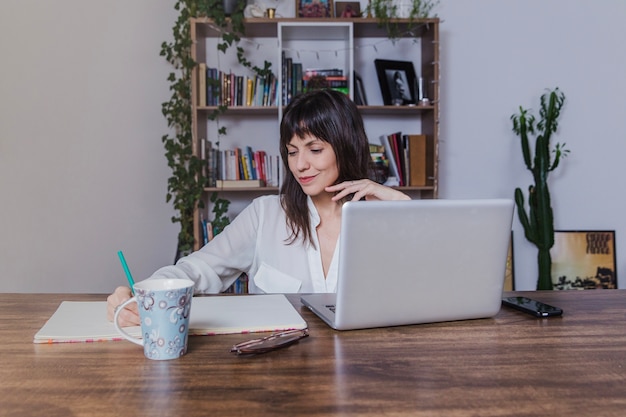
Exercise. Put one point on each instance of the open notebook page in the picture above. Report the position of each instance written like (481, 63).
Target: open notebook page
(85, 321)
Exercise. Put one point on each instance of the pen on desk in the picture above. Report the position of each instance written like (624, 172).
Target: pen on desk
(129, 277)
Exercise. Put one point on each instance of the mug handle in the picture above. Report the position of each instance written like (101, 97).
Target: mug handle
(117, 326)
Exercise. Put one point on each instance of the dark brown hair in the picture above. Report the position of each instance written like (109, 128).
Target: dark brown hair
(333, 118)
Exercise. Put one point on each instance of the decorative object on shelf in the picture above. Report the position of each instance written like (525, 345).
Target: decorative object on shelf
(253, 10)
(539, 223)
(347, 9)
(584, 259)
(422, 96)
(314, 8)
(230, 6)
(388, 11)
(270, 9)
(397, 81)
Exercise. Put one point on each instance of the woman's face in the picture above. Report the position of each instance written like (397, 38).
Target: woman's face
(313, 164)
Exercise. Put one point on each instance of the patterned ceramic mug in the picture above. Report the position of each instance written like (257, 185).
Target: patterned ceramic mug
(164, 307)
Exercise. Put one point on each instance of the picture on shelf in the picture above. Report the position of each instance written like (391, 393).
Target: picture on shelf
(314, 8)
(583, 259)
(347, 9)
(397, 81)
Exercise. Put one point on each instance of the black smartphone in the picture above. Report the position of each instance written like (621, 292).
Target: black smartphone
(533, 307)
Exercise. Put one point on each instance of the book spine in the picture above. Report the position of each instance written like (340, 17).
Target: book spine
(417, 159)
(202, 84)
(393, 168)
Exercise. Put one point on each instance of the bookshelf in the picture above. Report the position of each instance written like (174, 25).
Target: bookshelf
(349, 44)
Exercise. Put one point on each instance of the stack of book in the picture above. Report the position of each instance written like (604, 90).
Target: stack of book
(408, 158)
(335, 78)
(239, 167)
(297, 80)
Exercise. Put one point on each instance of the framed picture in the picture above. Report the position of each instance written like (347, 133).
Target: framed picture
(347, 9)
(314, 8)
(397, 81)
(583, 259)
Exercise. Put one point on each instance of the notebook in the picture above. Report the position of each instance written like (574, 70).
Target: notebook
(419, 261)
(85, 321)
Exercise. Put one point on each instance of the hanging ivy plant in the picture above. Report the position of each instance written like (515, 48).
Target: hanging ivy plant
(387, 12)
(186, 185)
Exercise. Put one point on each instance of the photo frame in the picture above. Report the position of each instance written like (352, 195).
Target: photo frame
(583, 259)
(397, 81)
(347, 9)
(314, 8)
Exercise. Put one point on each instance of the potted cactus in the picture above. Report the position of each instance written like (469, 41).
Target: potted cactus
(538, 224)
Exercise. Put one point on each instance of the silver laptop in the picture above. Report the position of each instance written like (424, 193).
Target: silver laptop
(418, 261)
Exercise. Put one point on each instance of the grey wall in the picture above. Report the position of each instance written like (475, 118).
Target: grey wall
(498, 55)
(82, 171)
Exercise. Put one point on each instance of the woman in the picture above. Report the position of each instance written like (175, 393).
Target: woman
(287, 243)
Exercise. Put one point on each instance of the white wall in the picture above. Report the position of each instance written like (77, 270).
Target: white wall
(498, 55)
(82, 171)
(82, 167)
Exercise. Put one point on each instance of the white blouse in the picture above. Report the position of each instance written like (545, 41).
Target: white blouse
(256, 243)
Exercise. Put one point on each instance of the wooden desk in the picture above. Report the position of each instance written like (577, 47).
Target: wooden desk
(513, 365)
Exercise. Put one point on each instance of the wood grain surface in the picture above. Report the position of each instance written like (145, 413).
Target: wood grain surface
(511, 365)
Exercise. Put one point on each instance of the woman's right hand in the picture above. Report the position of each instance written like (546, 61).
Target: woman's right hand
(130, 315)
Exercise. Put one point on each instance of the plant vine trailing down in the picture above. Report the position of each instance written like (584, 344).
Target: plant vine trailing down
(387, 11)
(186, 185)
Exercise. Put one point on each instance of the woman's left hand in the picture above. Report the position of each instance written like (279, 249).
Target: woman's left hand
(367, 189)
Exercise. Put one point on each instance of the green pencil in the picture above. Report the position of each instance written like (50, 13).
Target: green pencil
(129, 277)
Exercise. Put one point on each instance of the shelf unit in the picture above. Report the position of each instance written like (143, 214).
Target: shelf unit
(351, 44)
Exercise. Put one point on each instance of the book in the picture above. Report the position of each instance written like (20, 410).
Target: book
(326, 72)
(249, 91)
(288, 80)
(239, 89)
(239, 183)
(394, 152)
(393, 167)
(85, 321)
(417, 159)
(212, 87)
(211, 164)
(397, 152)
(250, 167)
(297, 78)
(202, 84)
(259, 160)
